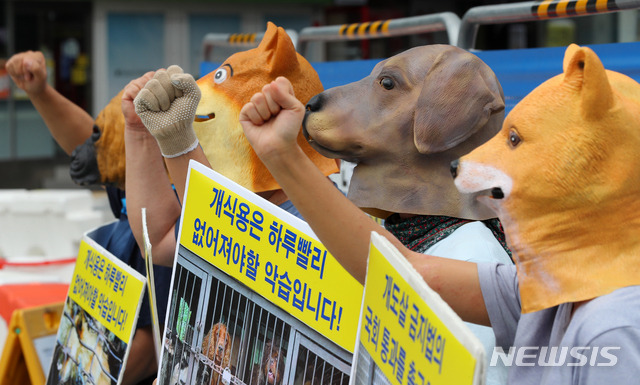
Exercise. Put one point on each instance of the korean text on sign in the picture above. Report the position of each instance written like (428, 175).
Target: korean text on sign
(106, 289)
(257, 243)
(406, 338)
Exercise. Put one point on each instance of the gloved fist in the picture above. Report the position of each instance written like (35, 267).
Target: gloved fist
(167, 107)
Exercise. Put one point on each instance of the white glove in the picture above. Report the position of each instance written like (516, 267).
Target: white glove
(167, 107)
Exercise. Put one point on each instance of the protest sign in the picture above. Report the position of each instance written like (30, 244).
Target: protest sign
(151, 286)
(272, 252)
(407, 333)
(98, 320)
(254, 276)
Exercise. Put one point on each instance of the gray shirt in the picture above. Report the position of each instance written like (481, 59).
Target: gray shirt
(600, 344)
(474, 242)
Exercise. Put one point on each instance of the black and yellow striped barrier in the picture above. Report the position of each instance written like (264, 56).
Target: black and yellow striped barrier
(554, 8)
(367, 29)
(533, 11)
(444, 21)
(241, 41)
(242, 38)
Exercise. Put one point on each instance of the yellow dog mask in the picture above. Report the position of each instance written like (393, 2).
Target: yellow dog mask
(227, 89)
(563, 175)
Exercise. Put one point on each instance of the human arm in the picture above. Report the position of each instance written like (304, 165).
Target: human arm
(141, 365)
(167, 107)
(179, 167)
(147, 182)
(68, 123)
(271, 121)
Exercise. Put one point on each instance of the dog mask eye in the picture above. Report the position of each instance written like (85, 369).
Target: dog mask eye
(514, 138)
(220, 75)
(387, 83)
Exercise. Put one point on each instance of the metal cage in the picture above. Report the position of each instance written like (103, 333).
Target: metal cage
(367, 372)
(85, 350)
(219, 331)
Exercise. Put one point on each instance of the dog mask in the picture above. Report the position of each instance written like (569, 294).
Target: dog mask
(404, 124)
(101, 159)
(224, 92)
(564, 177)
(227, 89)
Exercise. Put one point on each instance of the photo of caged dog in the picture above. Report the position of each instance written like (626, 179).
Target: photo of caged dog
(216, 345)
(85, 350)
(271, 368)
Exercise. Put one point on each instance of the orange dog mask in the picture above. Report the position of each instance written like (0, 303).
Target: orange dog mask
(227, 89)
(564, 177)
(224, 92)
(101, 159)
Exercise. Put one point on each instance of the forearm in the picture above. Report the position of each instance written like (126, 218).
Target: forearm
(69, 124)
(148, 186)
(179, 167)
(456, 282)
(271, 121)
(141, 363)
(345, 231)
(342, 227)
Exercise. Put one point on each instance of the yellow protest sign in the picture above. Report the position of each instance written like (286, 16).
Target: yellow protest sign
(270, 251)
(98, 319)
(106, 290)
(411, 334)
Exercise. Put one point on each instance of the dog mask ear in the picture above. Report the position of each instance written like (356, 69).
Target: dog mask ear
(596, 96)
(459, 95)
(282, 57)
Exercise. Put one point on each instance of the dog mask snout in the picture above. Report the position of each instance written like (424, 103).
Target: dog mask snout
(84, 169)
(497, 193)
(480, 179)
(315, 103)
(454, 168)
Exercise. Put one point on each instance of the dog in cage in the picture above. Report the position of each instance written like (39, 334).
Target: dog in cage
(167, 358)
(83, 351)
(271, 368)
(216, 345)
(181, 367)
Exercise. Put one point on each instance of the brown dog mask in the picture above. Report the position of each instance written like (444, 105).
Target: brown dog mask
(404, 124)
(224, 91)
(564, 177)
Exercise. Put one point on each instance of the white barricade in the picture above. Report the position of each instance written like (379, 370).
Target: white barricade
(40, 231)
